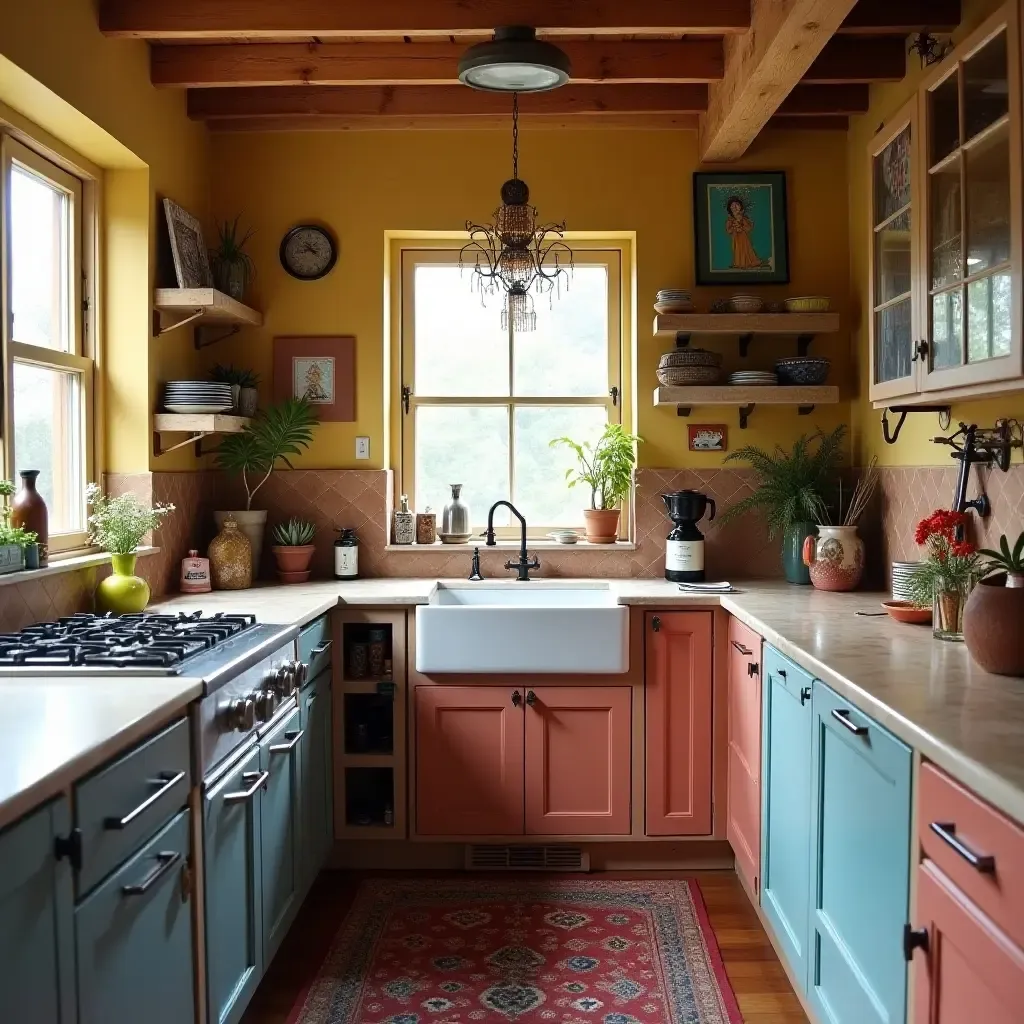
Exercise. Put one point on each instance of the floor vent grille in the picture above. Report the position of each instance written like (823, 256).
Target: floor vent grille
(526, 858)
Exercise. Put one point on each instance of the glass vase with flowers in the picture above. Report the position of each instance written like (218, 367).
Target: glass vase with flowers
(947, 574)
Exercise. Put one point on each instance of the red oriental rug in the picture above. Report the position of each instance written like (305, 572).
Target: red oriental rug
(528, 950)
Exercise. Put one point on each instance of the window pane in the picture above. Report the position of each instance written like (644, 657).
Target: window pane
(892, 259)
(988, 317)
(986, 86)
(946, 243)
(465, 445)
(892, 342)
(461, 349)
(988, 201)
(567, 355)
(541, 493)
(892, 177)
(39, 261)
(944, 119)
(48, 437)
(947, 329)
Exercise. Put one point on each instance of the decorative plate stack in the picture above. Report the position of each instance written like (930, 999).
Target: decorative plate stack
(751, 378)
(673, 300)
(197, 396)
(687, 366)
(805, 370)
(902, 577)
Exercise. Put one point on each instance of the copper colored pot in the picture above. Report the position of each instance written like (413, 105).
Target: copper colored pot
(602, 525)
(992, 627)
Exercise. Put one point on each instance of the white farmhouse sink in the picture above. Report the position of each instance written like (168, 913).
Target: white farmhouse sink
(541, 626)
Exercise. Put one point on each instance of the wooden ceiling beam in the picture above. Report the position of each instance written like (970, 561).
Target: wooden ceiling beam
(847, 60)
(902, 17)
(439, 101)
(429, 63)
(761, 69)
(203, 19)
(815, 100)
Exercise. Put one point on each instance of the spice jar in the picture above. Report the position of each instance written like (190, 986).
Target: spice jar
(426, 526)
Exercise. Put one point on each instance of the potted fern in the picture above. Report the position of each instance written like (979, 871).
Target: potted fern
(606, 468)
(790, 489)
(293, 549)
(276, 433)
(995, 611)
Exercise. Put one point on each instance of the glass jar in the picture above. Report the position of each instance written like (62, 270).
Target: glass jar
(948, 603)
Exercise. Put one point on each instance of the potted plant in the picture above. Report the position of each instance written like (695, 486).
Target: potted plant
(293, 549)
(13, 539)
(947, 574)
(243, 387)
(232, 267)
(275, 433)
(118, 525)
(607, 469)
(995, 611)
(789, 490)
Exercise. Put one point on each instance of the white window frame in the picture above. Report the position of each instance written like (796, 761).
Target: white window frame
(81, 357)
(610, 256)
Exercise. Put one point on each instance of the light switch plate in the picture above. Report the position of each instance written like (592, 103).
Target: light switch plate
(362, 447)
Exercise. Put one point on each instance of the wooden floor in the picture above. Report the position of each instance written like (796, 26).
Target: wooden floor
(761, 985)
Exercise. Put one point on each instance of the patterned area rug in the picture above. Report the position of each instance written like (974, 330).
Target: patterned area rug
(564, 951)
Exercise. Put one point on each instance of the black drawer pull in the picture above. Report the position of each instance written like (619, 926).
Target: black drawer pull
(842, 716)
(165, 861)
(914, 938)
(983, 862)
(752, 669)
(293, 742)
(165, 780)
(321, 648)
(805, 695)
(745, 651)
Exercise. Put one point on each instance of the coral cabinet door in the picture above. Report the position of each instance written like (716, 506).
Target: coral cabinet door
(469, 761)
(970, 970)
(743, 822)
(578, 751)
(677, 682)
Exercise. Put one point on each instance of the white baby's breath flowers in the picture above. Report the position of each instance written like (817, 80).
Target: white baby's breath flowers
(118, 524)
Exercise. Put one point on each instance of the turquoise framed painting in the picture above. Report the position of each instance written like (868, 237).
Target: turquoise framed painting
(739, 221)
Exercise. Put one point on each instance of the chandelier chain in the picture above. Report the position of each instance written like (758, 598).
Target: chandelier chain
(515, 135)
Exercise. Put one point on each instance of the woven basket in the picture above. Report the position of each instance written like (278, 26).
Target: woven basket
(677, 376)
(690, 357)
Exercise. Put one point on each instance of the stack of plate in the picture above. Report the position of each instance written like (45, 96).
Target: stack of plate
(902, 576)
(673, 300)
(197, 396)
(753, 377)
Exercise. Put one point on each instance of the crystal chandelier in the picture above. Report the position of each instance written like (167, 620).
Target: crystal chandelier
(515, 255)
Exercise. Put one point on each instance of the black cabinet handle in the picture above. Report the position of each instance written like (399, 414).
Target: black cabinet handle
(842, 716)
(165, 780)
(745, 651)
(805, 694)
(752, 669)
(983, 862)
(517, 698)
(914, 938)
(781, 672)
(656, 624)
(165, 861)
(531, 698)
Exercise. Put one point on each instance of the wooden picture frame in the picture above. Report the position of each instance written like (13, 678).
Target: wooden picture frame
(321, 369)
(740, 227)
(191, 260)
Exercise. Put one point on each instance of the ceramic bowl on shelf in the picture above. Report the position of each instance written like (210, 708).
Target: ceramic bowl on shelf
(808, 304)
(742, 303)
(803, 370)
(907, 611)
(564, 536)
(673, 306)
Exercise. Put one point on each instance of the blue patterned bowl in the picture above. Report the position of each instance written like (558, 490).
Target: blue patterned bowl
(805, 370)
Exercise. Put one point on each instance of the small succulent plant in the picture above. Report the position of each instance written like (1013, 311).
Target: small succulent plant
(296, 533)
(230, 374)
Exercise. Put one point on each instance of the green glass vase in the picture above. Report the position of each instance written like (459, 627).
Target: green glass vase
(122, 592)
(793, 567)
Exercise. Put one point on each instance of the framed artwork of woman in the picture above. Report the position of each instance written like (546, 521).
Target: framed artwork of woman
(740, 227)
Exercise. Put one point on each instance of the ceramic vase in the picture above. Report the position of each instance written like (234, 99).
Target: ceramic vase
(455, 525)
(834, 558)
(793, 567)
(253, 525)
(992, 626)
(602, 525)
(122, 592)
(29, 512)
(248, 401)
(230, 558)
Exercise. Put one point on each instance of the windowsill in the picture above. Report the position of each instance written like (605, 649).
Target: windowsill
(510, 545)
(69, 564)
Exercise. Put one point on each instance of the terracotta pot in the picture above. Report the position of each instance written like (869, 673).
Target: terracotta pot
(291, 559)
(835, 558)
(602, 525)
(28, 511)
(992, 627)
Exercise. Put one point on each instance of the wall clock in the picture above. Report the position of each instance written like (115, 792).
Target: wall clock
(308, 252)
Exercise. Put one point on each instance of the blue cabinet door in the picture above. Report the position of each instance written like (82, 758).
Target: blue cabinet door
(786, 805)
(233, 890)
(133, 937)
(281, 831)
(860, 866)
(37, 971)
(317, 790)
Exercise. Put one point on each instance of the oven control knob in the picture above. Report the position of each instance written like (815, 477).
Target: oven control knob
(266, 703)
(241, 714)
(299, 670)
(281, 682)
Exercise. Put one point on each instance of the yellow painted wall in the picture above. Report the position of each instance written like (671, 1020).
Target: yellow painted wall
(362, 184)
(914, 447)
(94, 95)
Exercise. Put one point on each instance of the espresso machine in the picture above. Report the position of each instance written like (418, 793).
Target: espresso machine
(684, 547)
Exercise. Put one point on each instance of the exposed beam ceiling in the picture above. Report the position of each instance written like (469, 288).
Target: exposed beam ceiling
(761, 69)
(850, 59)
(427, 63)
(901, 17)
(304, 19)
(817, 100)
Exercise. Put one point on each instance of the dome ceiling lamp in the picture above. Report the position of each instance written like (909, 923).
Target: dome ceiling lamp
(514, 254)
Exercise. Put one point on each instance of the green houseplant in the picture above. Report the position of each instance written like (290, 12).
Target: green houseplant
(995, 611)
(276, 433)
(244, 384)
(789, 491)
(118, 525)
(232, 267)
(293, 549)
(13, 539)
(606, 468)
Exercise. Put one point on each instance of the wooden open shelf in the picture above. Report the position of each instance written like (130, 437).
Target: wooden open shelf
(746, 398)
(196, 425)
(201, 307)
(668, 325)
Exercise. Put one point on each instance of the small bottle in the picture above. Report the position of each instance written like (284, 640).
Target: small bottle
(195, 574)
(405, 522)
(346, 555)
(389, 815)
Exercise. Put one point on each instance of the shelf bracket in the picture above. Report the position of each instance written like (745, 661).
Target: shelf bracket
(683, 410)
(745, 340)
(745, 411)
(195, 439)
(160, 329)
(804, 410)
(682, 339)
(197, 338)
(803, 343)
(943, 411)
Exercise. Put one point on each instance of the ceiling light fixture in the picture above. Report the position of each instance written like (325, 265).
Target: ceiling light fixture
(515, 60)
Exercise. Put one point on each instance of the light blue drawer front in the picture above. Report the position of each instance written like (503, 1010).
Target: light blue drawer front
(860, 866)
(133, 938)
(786, 804)
(123, 804)
(314, 646)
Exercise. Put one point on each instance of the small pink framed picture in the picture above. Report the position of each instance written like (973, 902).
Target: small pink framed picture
(322, 370)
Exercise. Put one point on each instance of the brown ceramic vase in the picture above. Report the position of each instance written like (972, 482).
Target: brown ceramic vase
(992, 627)
(29, 512)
